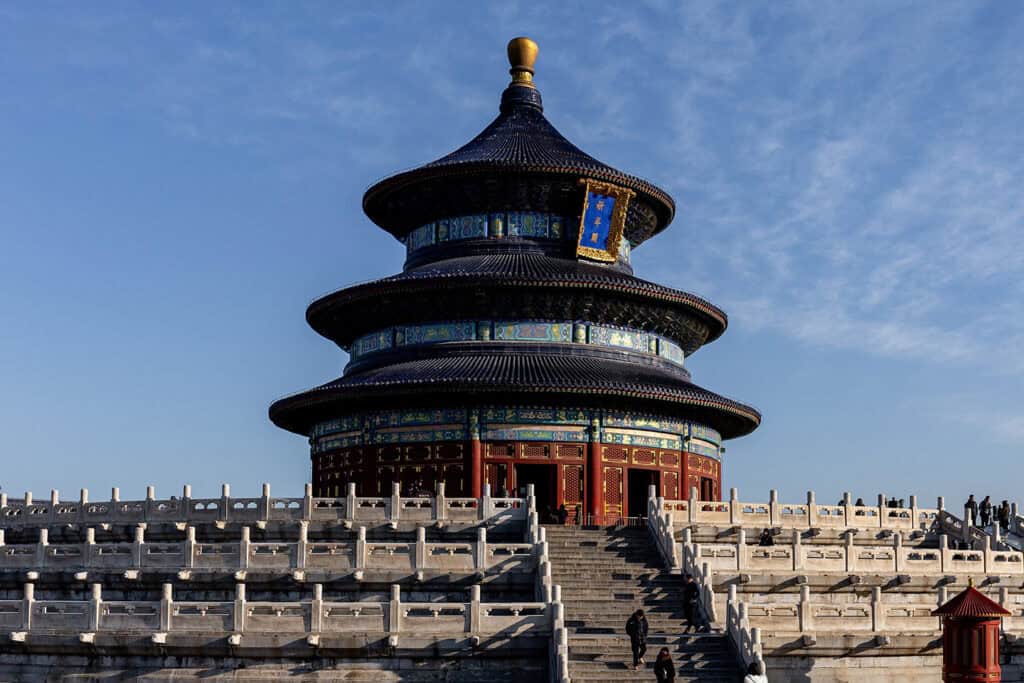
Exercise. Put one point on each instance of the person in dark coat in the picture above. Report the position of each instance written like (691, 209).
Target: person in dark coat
(562, 514)
(985, 511)
(691, 594)
(664, 669)
(971, 509)
(1004, 516)
(636, 629)
(766, 538)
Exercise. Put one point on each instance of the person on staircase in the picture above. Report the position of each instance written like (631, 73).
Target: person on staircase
(755, 673)
(985, 511)
(636, 629)
(1003, 514)
(691, 594)
(664, 668)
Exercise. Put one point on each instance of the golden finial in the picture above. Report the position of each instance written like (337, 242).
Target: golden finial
(522, 53)
(970, 582)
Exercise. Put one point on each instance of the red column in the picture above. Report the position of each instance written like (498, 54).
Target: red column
(595, 480)
(476, 459)
(476, 468)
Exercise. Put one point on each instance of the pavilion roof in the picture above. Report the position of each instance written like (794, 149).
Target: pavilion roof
(971, 603)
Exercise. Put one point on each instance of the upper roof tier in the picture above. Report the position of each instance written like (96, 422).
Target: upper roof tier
(519, 162)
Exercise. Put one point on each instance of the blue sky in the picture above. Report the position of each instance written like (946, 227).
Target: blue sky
(180, 180)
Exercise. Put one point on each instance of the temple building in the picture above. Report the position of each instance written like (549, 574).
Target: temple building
(516, 346)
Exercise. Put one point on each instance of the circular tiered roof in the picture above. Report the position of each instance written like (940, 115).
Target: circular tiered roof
(518, 162)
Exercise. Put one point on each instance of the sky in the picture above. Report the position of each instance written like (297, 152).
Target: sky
(180, 180)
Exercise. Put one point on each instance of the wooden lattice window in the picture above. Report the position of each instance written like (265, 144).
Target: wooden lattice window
(501, 450)
(536, 450)
(449, 451)
(390, 454)
(643, 456)
(615, 454)
(569, 452)
(417, 453)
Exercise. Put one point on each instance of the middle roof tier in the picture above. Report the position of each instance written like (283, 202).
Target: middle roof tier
(516, 286)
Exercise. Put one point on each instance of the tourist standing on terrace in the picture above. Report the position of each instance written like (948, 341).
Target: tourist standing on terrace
(1004, 516)
(970, 509)
(985, 511)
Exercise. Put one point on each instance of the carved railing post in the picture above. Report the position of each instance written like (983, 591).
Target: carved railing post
(806, 619)
(44, 541)
(812, 510)
(480, 558)
(350, 502)
(360, 559)
(474, 609)
(239, 615)
(302, 550)
(225, 502)
(877, 610)
(138, 545)
(798, 550)
(95, 604)
(244, 547)
(190, 547)
(26, 607)
(166, 605)
(421, 548)
(265, 503)
(395, 610)
(395, 503)
(90, 547)
(734, 506)
(307, 501)
(741, 549)
(440, 503)
(316, 615)
(485, 509)
(186, 502)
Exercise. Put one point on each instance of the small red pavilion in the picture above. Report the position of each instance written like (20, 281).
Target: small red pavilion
(970, 637)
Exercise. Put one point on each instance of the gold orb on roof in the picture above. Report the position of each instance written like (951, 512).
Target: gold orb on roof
(522, 53)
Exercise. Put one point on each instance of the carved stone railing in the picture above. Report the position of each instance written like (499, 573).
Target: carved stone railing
(848, 558)
(188, 510)
(550, 594)
(165, 618)
(682, 558)
(809, 514)
(331, 556)
(877, 613)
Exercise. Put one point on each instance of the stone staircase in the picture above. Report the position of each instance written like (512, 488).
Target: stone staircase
(607, 574)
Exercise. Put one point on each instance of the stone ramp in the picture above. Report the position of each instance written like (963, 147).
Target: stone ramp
(608, 573)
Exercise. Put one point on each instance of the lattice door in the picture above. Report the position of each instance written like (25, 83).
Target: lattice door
(613, 491)
(572, 477)
(670, 485)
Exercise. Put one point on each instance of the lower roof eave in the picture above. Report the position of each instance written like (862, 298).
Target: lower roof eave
(299, 412)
